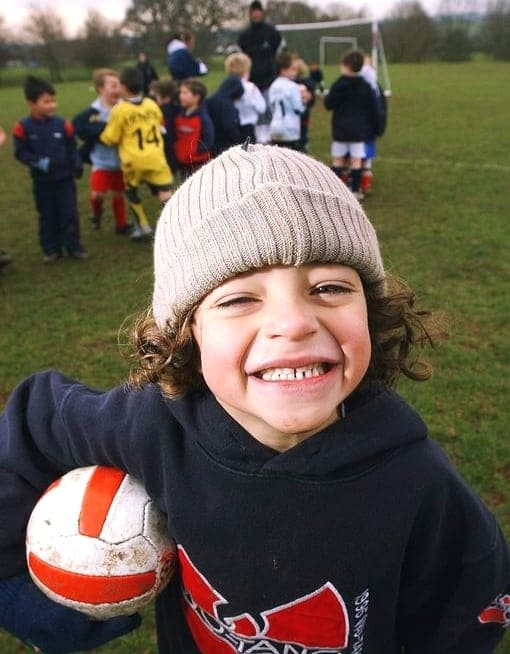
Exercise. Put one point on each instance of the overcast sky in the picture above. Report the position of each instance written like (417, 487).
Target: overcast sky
(14, 12)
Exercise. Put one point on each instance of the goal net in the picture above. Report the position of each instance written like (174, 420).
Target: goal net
(325, 42)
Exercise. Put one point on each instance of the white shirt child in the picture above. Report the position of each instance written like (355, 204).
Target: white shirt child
(251, 104)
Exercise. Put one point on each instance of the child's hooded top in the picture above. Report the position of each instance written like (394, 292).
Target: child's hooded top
(362, 535)
(224, 115)
(362, 538)
(181, 63)
(356, 112)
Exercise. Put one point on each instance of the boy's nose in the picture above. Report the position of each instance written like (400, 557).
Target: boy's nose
(292, 320)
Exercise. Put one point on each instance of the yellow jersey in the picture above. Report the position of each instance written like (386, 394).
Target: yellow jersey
(135, 128)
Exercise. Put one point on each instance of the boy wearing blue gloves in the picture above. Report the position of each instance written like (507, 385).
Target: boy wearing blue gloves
(46, 144)
(312, 512)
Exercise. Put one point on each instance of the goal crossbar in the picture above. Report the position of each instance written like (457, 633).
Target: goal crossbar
(377, 51)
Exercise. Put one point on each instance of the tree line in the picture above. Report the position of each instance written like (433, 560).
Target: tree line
(410, 34)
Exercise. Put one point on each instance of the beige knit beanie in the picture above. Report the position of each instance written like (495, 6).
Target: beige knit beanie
(251, 207)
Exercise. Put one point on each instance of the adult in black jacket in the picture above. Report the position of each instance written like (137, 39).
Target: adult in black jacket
(260, 41)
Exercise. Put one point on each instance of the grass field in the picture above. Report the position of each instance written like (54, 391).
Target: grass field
(440, 206)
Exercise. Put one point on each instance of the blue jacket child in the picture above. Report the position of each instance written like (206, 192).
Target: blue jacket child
(45, 143)
(225, 117)
(181, 63)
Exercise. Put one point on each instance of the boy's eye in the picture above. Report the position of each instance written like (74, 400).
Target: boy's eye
(330, 289)
(234, 301)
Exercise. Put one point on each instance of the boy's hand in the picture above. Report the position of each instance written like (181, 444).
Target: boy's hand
(29, 615)
(43, 164)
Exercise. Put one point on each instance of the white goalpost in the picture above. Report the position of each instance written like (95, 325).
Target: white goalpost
(324, 40)
(376, 50)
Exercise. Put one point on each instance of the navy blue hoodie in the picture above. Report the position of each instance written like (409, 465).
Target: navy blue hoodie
(356, 112)
(362, 538)
(220, 106)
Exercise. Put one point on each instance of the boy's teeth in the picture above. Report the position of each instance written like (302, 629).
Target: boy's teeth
(286, 374)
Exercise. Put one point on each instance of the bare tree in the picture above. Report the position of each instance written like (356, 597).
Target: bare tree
(47, 28)
(154, 21)
(409, 33)
(97, 40)
(5, 39)
(341, 11)
(290, 12)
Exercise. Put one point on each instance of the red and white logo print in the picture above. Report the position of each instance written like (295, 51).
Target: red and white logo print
(313, 624)
(498, 611)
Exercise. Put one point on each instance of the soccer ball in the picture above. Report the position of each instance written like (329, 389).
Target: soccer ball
(97, 543)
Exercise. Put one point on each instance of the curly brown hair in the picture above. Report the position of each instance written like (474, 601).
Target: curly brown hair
(171, 358)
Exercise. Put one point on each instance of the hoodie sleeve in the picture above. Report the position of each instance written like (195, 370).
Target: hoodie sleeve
(332, 99)
(51, 425)
(88, 125)
(22, 150)
(455, 587)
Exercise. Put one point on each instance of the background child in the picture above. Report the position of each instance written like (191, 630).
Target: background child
(307, 88)
(149, 73)
(45, 143)
(181, 63)
(194, 130)
(317, 76)
(106, 172)
(224, 115)
(166, 94)
(355, 118)
(262, 414)
(135, 125)
(286, 104)
(369, 74)
(251, 105)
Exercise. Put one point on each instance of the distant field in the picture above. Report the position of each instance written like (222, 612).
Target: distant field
(440, 206)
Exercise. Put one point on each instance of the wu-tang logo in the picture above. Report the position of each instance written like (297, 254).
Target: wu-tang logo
(313, 624)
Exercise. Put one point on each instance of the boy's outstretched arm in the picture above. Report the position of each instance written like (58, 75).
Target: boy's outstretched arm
(27, 614)
(88, 125)
(34, 450)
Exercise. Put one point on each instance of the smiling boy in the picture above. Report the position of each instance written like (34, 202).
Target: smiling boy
(311, 511)
(106, 174)
(293, 340)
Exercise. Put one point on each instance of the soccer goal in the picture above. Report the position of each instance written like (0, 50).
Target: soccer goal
(313, 41)
(351, 41)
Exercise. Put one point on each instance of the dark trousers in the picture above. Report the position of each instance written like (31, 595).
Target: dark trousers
(59, 228)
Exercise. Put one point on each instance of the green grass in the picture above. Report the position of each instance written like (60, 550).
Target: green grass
(440, 206)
